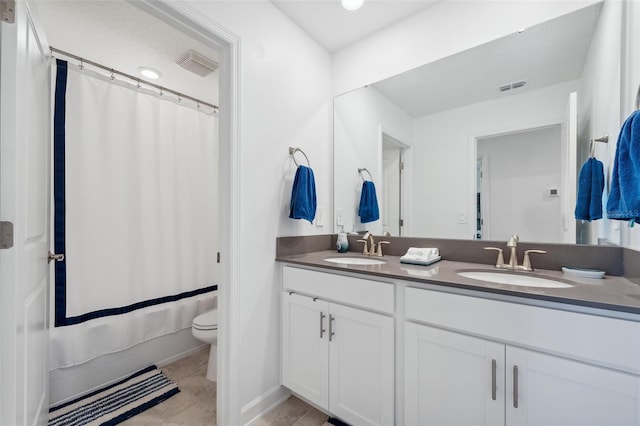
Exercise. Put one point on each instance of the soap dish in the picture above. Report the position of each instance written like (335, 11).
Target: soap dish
(583, 272)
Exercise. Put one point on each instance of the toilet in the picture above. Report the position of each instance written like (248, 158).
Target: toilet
(205, 329)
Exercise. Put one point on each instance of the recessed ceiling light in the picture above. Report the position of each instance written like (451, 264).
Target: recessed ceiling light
(352, 4)
(149, 73)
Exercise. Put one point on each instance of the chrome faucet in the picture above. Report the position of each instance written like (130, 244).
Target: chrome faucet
(513, 259)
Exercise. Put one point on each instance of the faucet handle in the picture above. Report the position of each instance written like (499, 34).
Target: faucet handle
(526, 262)
(500, 261)
(365, 250)
(380, 243)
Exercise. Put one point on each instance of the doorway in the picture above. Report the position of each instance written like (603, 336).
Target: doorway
(393, 153)
(518, 185)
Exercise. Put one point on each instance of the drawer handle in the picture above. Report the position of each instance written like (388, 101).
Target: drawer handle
(515, 386)
(322, 330)
(331, 333)
(494, 387)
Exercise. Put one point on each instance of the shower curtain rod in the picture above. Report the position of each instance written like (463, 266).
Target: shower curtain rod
(136, 79)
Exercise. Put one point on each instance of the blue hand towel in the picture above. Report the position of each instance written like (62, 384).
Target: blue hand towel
(303, 195)
(368, 209)
(624, 196)
(590, 187)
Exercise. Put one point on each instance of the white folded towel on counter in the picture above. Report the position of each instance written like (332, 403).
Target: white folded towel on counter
(421, 256)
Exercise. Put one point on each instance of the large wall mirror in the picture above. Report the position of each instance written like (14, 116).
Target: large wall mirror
(487, 142)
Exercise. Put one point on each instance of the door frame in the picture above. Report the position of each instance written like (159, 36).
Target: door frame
(405, 182)
(189, 20)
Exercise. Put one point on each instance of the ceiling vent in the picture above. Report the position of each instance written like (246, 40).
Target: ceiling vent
(197, 63)
(514, 85)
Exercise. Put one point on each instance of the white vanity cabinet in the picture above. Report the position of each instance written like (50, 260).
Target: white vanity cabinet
(475, 372)
(338, 344)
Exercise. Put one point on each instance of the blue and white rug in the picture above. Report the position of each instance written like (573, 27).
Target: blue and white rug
(116, 403)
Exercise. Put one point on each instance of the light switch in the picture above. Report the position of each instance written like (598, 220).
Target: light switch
(339, 221)
(319, 217)
(462, 218)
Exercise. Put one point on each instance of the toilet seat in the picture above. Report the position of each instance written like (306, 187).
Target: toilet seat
(206, 321)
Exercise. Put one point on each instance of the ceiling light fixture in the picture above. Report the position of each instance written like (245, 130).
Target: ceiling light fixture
(352, 4)
(149, 73)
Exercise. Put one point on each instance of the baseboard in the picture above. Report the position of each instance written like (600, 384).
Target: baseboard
(68, 383)
(263, 404)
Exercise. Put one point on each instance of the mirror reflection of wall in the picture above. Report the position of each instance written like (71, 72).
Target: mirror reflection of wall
(520, 183)
(444, 107)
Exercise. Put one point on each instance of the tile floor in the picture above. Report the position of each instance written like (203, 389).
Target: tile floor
(195, 405)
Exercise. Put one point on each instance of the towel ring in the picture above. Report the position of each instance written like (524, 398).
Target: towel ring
(292, 152)
(592, 145)
(360, 171)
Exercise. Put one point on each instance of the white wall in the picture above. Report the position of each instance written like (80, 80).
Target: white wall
(521, 168)
(441, 30)
(358, 118)
(599, 110)
(444, 154)
(285, 101)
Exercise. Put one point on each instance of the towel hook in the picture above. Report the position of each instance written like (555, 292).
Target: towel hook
(592, 145)
(292, 152)
(360, 171)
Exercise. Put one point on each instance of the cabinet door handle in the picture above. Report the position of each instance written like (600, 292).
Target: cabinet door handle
(331, 333)
(494, 387)
(515, 386)
(322, 330)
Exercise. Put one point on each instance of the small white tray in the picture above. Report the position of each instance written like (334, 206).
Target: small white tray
(583, 272)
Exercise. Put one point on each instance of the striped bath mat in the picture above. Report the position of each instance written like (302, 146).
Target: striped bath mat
(116, 403)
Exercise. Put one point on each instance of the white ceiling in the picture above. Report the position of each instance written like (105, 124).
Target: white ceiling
(333, 27)
(117, 34)
(543, 55)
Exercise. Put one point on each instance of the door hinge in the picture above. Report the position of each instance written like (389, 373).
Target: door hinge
(218, 257)
(8, 11)
(6, 235)
(402, 165)
(401, 222)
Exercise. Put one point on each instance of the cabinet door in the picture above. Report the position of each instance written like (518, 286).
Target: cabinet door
(550, 391)
(305, 347)
(361, 366)
(452, 379)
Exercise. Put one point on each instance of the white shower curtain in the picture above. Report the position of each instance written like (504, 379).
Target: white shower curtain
(140, 216)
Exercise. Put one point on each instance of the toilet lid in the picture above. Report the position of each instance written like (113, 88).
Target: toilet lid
(207, 320)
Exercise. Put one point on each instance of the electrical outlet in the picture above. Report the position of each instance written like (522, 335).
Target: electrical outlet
(319, 217)
(462, 218)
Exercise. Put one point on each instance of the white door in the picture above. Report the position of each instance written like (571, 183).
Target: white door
(550, 391)
(361, 366)
(452, 379)
(305, 356)
(24, 201)
(391, 190)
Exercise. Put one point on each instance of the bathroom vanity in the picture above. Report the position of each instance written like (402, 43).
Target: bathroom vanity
(413, 345)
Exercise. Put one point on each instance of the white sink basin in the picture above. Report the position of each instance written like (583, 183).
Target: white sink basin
(355, 261)
(514, 279)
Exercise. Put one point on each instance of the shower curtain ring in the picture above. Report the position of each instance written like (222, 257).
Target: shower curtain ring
(81, 64)
(161, 91)
(138, 84)
(113, 77)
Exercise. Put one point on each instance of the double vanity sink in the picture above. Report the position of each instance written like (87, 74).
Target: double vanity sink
(507, 347)
(616, 294)
(525, 279)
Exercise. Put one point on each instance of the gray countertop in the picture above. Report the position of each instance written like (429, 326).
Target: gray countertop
(613, 293)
